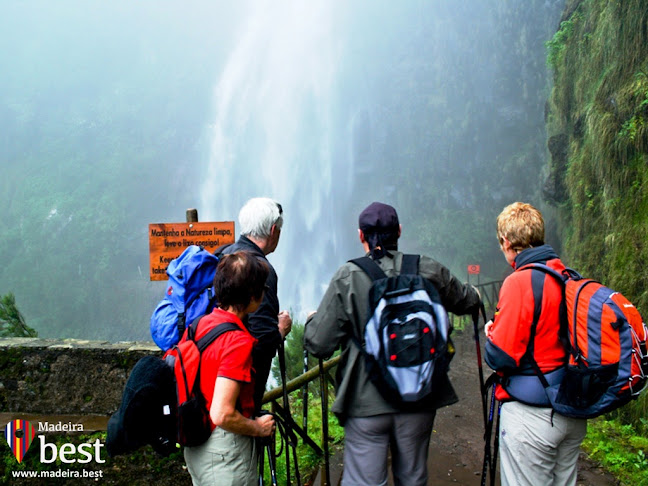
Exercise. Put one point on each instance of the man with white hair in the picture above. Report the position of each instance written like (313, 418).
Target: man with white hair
(260, 222)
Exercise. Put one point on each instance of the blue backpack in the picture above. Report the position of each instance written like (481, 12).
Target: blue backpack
(188, 296)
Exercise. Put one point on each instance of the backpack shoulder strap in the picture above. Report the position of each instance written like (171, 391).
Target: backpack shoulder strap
(560, 277)
(219, 251)
(211, 336)
(410, 265)
(537, 284)
(193, 327)
(370, 267)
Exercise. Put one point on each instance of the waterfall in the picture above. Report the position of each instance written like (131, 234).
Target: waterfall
(274, 134)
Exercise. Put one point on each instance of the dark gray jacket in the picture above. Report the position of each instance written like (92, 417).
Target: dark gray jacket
(263, 323)
(343, 313)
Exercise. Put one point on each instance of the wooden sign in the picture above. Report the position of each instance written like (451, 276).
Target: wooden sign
(168, 240)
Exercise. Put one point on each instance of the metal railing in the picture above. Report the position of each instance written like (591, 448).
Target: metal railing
(301, 383)
(489, 293)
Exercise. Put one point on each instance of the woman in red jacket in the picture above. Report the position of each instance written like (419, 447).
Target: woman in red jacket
(229, 457)
(537, 445)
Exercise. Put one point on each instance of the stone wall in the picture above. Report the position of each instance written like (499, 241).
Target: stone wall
(46, 376)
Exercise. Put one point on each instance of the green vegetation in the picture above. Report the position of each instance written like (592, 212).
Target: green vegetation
(294, 351)
(307, 459)
(556, 46)
(621, 449)
(598, 138)
(12, 322)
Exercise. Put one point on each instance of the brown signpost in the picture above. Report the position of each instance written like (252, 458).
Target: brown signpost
(168, 240)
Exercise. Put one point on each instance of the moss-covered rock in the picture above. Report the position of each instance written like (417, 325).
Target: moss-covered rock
(598, 140)
(597, 124)
(65, 376)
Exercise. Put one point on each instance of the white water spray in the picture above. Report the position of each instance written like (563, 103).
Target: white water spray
(274, 135)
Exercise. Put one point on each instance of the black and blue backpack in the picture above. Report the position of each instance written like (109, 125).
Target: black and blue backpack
(189, 295)
(406, 341)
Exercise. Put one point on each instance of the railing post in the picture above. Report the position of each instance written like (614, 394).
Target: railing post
(324, 399)
(286, 406)
(305, 395)
(192, 215)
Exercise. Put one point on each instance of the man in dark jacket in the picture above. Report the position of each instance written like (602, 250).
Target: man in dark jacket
(260, 222)
(372, 425)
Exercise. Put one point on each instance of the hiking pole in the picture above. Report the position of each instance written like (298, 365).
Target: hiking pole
(260, 458)
(324, 400)
(287, 428)
(271, 464)
(482, 391)
(488, 465)
(482, 386)
(272, 456)
(286, 406)
(305, 394)
(264, 443)
(496, 443)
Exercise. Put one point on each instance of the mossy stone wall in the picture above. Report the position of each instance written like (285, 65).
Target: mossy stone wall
(46, 376)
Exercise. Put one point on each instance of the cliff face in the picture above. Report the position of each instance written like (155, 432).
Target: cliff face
(597, 128)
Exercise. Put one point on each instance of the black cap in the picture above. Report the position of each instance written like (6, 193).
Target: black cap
(378, 218)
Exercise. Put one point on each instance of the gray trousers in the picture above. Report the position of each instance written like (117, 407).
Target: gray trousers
(534, 451)
(368, 440)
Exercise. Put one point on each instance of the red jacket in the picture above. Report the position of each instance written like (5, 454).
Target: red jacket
(511, 329)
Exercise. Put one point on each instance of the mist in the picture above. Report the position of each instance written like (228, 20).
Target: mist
(114, 115)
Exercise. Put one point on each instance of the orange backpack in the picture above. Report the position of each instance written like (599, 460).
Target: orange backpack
(605, 337)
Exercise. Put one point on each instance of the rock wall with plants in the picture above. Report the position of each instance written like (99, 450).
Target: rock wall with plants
(597, 127)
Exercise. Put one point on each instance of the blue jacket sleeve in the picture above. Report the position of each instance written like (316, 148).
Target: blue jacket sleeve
(498, 359)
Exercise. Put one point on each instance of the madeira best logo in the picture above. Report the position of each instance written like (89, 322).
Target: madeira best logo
(20, 434)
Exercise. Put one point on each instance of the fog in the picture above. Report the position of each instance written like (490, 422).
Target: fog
(114, 115)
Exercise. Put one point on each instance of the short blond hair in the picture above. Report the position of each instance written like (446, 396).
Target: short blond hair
(522, 225)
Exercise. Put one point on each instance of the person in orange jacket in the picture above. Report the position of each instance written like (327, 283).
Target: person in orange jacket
(537, 445)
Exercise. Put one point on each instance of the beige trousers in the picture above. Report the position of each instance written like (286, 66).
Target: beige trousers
(226, 459)
(538, 447)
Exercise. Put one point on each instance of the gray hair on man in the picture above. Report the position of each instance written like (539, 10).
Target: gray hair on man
(258, 215)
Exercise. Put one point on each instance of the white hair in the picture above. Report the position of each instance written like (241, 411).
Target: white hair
(258, 215)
